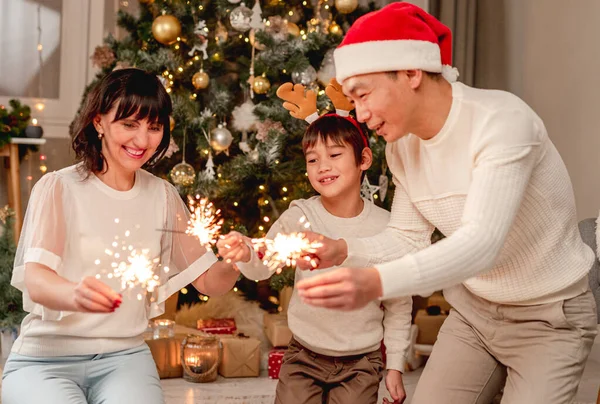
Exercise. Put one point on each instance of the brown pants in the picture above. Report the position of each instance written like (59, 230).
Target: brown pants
(537, 353)
(310, 378)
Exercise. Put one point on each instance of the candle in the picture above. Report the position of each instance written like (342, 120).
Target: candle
(201, 361)
(163, 329)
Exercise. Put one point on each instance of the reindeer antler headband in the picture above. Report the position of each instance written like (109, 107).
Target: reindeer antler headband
(304, 106)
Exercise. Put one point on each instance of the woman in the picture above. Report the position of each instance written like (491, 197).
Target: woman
(82, 340)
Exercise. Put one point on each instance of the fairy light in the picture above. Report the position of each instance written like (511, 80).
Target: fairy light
(204, 222)
(235, 204)
(285, 249)
(284, 189)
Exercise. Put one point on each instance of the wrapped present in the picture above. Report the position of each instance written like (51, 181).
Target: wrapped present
(429, 326)
(275, 359)
(241, 356)
(285, 295)
(437, 299)
(217, 326)
(277, 330)
(166, 353)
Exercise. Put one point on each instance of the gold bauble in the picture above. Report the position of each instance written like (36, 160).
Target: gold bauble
(146, 1)
(257, 45)
(166, 29)
(216, 57)
(293, 29)
(335, 29)
(171, 123)
(346, 6)
(200, 80)
(261, 85)
(183, 174)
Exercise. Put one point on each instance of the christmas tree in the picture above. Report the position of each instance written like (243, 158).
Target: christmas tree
(11, 312)
(222, 61)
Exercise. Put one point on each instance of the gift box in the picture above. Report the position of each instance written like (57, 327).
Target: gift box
(166, 353)
(437, 299)
(241, 356)
(275, 359)
(429, 326)
(217, 325)
(277, 330)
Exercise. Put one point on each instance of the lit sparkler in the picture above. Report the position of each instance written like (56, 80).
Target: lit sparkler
(204, 222)
(133, 267)
(286, 249)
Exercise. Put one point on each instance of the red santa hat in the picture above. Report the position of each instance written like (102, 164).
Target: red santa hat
(400, 36)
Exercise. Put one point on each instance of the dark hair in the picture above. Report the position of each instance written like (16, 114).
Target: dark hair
(337, 129)
(136, 92)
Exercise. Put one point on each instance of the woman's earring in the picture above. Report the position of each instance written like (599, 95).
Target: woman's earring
(100, 134)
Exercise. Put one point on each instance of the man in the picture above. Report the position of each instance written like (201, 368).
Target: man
(479, 166)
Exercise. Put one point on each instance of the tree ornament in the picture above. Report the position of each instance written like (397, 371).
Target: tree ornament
(171, 123)
(367, 190)
(240, 18)
(183, 174)
(146, 1)
(335, 29)
(220, 138)
(261, 85)
(254, 42)
(256, 21)
(200, 80)
(327, 69)
(166, 29)
(306, 76)
(293, 29)
(346, 6)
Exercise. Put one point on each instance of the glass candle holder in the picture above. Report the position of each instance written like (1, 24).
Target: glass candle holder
(200, 358)
(163, 329)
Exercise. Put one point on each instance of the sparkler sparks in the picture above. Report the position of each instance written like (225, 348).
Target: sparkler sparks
(133, 267)
(286, 249)
(204, 222)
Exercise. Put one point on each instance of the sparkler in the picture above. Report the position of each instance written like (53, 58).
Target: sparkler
(204, 221)
(133, 267)
(286, 249)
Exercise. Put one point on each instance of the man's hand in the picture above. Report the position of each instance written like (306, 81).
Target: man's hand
(395, 386)
(342, 289)
(331, 253)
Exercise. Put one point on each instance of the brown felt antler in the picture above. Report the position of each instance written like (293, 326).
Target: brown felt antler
(300, 105)
(337, 97)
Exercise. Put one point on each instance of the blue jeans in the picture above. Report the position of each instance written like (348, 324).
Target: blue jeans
(123, 377)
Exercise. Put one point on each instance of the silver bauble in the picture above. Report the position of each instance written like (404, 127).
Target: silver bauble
(240, 18)
(306, 76)
(220, 138)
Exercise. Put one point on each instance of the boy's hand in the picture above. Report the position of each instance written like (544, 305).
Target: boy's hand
(233, 248)
(393, 382)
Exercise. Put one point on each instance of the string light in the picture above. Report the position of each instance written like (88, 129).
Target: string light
(40, 104)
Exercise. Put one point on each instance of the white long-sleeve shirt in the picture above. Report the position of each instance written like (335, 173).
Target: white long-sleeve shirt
(492, 182)
(331, 332)
(69, 226)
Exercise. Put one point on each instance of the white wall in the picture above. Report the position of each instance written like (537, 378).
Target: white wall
(549, 56)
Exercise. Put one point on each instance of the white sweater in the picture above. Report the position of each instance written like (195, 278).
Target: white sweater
(69, 224)
(492, 182)
(331, 332)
